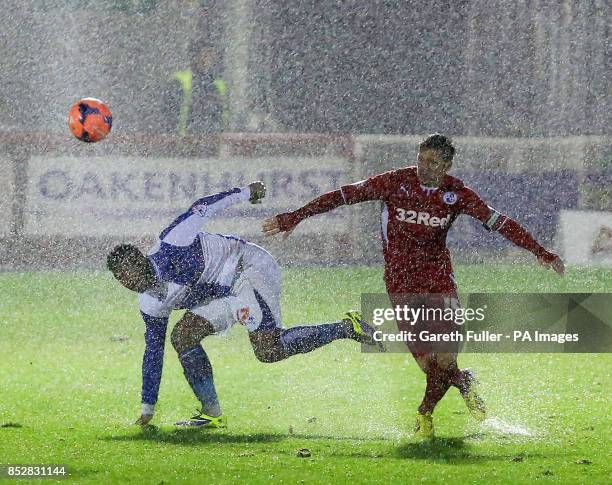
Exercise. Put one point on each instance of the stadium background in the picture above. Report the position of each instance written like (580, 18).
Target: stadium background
(320, 94)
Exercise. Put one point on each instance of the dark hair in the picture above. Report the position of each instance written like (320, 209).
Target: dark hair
(121, 255)
(439, 142)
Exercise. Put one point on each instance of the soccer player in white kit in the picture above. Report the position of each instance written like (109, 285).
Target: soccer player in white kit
(220, 280)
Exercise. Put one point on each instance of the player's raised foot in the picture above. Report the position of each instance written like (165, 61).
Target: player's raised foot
(424, 427)
(201, 420)
(359, 330)
(473, 401)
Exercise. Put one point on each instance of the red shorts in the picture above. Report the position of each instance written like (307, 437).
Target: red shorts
(427, 317)
(426, 278)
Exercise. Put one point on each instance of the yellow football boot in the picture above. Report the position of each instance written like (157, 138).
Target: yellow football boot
(424, 427)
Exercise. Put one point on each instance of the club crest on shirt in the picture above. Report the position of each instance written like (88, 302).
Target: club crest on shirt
(450, 198)
(200, 209)
(243, 315)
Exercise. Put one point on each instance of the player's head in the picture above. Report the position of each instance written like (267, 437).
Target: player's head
(435, 158)
(131, 268)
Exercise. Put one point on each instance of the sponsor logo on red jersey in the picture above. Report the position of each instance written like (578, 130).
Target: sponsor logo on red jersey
(424, 218)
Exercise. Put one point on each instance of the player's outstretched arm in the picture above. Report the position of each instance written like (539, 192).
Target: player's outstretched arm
(554, 262)
(519, 236)
(185, 227)
(271, 227)
(493, 220)
(372, 188)
(152, 365)
(288, 221)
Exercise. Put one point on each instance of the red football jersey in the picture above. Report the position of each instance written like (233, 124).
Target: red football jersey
(415, 220)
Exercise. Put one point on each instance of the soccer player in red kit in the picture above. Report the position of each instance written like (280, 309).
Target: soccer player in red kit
(420, 204)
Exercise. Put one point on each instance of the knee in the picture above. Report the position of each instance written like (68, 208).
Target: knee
(446, 360)
(189, 332)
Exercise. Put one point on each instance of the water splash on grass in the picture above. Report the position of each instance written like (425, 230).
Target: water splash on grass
(499, 426)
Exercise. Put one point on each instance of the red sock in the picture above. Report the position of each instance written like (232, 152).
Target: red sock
(438, 382)
(459, 378)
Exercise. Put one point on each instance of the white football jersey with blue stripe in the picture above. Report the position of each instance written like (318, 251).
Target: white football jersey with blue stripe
(193, 267)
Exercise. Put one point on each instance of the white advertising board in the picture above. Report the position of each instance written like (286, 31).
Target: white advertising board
(130, 197)
(7, 196)
(586, 237)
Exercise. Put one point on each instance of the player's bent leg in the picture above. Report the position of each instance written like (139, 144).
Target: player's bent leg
(189, 332)
(272, 343)
(257, 307)
(185, 338)
(466, 382)
(438, 382)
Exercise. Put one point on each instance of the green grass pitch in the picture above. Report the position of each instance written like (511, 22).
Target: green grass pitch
(71, 346)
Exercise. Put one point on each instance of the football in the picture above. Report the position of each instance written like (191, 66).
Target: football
(90, 120)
